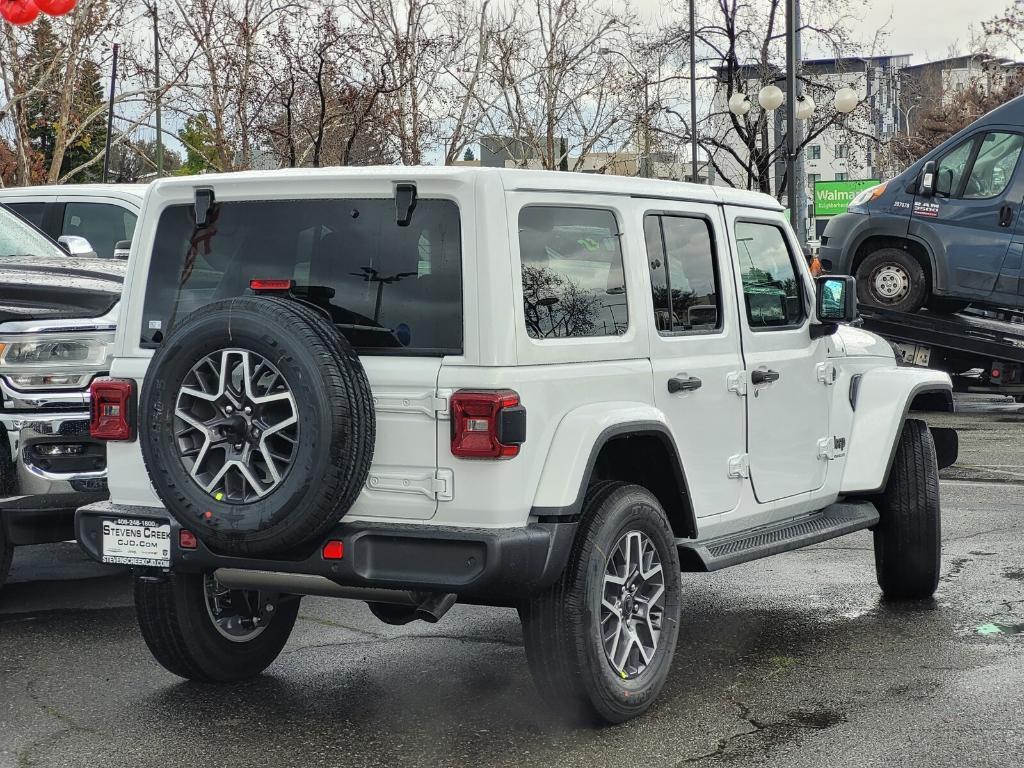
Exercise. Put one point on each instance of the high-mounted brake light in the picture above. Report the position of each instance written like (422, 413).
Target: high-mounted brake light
(489, 424)
(270, 285)
(112, 409)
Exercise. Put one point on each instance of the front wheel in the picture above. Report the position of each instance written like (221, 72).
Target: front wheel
(600, 641)
(199, 630)
(908, 545)
(891, 278)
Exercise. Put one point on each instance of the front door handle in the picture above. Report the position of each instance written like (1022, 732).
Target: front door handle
(1005, 216)
(761, 376)
(684, 384)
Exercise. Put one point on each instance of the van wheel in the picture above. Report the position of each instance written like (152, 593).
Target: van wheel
(600, 641)
(890, 278)
(908, 541)
(199, 630)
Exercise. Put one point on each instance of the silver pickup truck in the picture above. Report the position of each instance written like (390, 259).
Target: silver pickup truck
(57, 320)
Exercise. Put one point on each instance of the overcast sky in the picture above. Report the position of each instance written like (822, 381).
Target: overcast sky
(927, 28)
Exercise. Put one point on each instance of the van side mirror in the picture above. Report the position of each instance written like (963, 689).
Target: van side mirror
(927, 186)
(836, 298)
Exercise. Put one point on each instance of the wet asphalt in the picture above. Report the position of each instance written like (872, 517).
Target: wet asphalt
(790, 661)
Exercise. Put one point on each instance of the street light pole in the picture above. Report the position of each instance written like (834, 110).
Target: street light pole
(693, 92)
(110, 116)
(156, 83)
(791, 81)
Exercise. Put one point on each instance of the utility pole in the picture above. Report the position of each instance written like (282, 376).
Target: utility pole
(110, 116)
(799, 174)
(791, 97)
(693, 92)
(156, 83)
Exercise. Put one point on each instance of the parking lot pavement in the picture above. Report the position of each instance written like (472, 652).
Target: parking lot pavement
(790, 661)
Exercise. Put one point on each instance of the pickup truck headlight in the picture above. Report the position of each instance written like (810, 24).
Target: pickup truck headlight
(54, 360)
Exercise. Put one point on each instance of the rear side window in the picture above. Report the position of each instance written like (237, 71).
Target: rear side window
(684, 283)
(771, 288)
(102, 224)
(389, 289)
(573, 281)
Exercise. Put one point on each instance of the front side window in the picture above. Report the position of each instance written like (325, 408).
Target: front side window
(684, 283)
(19, 239)
(389, 289)
(102, 224)
(771, 286)
(994, 166)
(952, 167)
(573, 279)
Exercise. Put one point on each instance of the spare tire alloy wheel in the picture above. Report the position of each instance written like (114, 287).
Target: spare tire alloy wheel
(633, 605)
(236, 425)
(256, 424)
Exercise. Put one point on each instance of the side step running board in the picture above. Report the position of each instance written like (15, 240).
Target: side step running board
(837, 520)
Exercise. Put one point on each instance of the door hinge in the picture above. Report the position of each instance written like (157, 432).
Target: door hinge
(439, 486)
(427, 403)
(739, 466)
(736, 382)
(827, 373)
(831, 448)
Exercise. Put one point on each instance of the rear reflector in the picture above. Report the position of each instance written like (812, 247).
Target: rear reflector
(112, 409)
(333, 550)
(187, 539)
(270, 285)
(488, 424)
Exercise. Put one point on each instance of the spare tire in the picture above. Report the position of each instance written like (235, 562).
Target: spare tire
(256, 424)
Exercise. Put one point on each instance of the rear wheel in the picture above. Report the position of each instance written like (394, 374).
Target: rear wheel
(908, 545)
(600, 641)
(199, 630)
(891, 278)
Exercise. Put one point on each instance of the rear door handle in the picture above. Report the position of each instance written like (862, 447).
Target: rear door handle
(1005, 216)
(684, 384)
(760, 376)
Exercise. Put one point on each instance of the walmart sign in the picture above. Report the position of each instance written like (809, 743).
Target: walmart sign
(833, 197)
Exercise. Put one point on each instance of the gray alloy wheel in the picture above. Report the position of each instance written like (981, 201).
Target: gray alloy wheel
(633, 604)
(236, 425)
(238, 615)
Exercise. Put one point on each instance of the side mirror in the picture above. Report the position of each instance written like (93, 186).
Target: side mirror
(836, 298)
(76, 246)
(122, 248)
(927, 186)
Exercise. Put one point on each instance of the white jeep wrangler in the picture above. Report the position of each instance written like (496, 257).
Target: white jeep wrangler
(411, 386)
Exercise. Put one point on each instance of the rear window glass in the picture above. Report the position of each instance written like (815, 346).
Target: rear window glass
(389, 289)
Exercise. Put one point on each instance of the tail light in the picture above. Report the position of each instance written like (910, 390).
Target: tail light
(487, 424)
(112, 409)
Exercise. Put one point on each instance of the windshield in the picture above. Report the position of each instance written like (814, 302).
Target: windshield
(20, 239)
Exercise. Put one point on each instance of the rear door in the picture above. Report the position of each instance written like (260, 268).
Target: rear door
(788, 375)
(394, 292)
(695, 348)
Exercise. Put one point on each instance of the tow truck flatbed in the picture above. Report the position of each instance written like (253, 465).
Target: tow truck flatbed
(980, 353)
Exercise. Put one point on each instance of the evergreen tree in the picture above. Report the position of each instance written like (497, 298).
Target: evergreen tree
(88, 99)
(42, 105)
(469, 154)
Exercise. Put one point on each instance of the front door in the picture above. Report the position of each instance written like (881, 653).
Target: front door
(695, 348)
(786, 371)
(972, 214)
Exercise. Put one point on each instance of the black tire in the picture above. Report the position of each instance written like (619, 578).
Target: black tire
(945, 306)
(335, 426)
(561, 626)
(905, 264)
(908, 538)
(177, 626)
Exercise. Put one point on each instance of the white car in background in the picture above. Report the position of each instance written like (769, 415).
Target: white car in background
(101, 214)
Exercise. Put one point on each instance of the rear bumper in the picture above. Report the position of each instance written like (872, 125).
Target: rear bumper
(39, 492)
(492, 566)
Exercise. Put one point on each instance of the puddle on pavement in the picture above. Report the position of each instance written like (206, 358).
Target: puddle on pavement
(1000, 629)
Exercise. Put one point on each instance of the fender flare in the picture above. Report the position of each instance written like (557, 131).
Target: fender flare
(897, 233)
(561, 492)
(867, 468)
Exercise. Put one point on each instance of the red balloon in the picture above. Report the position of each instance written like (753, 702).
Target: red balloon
(19, 12)
(55, 7)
